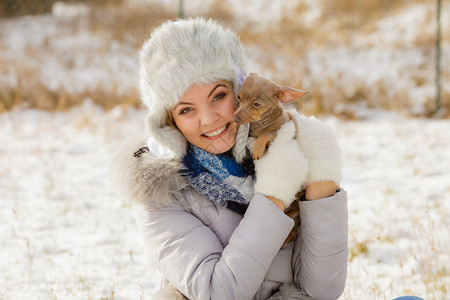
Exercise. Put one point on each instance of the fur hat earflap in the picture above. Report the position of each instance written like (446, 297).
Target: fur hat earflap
(178, 55)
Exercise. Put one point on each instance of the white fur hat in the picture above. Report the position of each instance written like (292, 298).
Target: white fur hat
(178, 55)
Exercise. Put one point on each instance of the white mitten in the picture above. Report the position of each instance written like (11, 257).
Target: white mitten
(319, 145)
(282, 170)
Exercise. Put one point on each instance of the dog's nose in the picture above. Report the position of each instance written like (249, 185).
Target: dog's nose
(236, 119)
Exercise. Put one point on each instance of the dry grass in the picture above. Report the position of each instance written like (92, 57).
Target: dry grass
(109, 20)
(357, 249)
(360, 15)
(38, 96)
(341, 23)
(129, 24)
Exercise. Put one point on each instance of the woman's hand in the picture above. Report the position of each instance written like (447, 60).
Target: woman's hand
(314, 191)
(278, 203)
(319, 190)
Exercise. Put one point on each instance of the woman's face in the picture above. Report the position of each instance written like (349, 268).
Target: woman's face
(205, 116)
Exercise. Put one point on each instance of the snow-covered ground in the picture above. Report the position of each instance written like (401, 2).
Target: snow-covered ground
(65, 234)
(397, 172)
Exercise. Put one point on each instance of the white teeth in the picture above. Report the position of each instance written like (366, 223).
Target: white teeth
(215, 132)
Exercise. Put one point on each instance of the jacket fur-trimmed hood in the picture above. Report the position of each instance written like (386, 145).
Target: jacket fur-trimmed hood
(144, 177)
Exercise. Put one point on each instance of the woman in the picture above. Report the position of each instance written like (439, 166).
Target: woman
(208, 228)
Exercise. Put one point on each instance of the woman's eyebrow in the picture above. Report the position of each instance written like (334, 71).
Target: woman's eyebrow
(182, 103)
(212, 91)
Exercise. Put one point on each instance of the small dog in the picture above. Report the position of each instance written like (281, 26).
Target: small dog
(260, 105)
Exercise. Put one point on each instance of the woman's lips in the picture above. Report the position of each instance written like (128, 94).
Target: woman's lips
(217, 133)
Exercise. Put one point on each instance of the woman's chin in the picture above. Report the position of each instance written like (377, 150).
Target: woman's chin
(219, 146)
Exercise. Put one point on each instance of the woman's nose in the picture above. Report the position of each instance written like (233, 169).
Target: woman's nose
(208, 117)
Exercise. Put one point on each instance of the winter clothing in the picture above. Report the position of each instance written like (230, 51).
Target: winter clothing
(201, 247)
(319, 145)
(210, 252)
(283, 183)
(219, 178)
(178, 55)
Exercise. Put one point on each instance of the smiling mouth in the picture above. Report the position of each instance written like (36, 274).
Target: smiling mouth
(216, 133)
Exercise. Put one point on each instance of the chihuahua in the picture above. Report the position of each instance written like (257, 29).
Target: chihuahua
(260, 104)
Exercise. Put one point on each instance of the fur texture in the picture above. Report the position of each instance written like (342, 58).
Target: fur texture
(285, 166)
(145, 177)
(320, 147)
(178, 55)
(320, 159)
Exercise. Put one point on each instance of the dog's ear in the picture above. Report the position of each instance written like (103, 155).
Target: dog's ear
(288, 95)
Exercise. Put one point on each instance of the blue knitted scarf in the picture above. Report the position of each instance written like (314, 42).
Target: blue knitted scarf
(219, 178)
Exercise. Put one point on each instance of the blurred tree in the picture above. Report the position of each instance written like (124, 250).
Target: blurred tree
(438, 57)
(14, 8)
(181, 13)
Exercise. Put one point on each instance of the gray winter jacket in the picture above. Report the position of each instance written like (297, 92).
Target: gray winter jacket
(211, 252)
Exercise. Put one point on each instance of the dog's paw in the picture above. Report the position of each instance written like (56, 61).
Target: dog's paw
(260, 147)
(258, 152)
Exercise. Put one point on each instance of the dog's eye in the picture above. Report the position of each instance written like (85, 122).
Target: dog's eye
(256, 104)
(239, 98)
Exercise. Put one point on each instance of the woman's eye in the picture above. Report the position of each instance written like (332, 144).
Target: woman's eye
(185, 110)
(219, 96)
